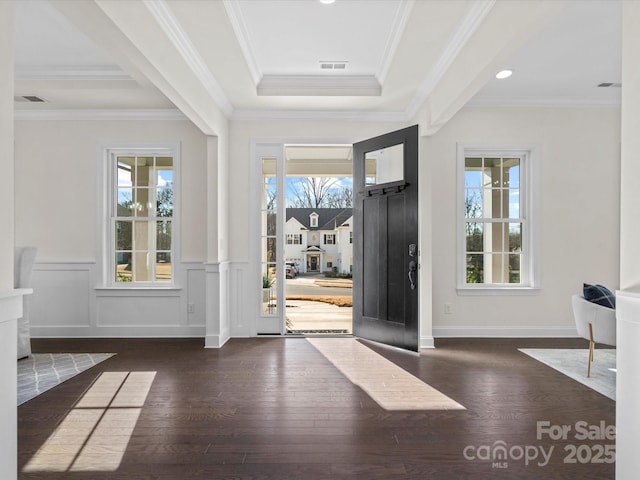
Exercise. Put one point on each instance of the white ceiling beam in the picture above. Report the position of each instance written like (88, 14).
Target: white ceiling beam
(144, 49)
(494, 32)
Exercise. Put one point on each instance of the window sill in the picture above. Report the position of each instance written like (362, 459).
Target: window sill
(506, 291)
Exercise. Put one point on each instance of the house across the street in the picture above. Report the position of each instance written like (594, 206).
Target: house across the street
(319, 239)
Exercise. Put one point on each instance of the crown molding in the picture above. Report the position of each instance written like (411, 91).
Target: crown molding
(320, 115)
(472, 20)
(72, 72)
(104, 115)
(399, 24)
(171, 27)
(319, 85)
(541, 102)
(234, 13)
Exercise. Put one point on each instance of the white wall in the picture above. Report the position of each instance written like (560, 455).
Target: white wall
(580, 155)
(57, 177)
(579, 218)
(57, 210)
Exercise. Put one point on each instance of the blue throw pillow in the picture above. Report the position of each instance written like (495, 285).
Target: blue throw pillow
(599, 294)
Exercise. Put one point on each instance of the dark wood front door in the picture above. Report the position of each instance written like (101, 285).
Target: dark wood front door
(385, 270)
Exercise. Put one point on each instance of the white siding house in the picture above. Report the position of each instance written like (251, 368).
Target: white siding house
(319, 239)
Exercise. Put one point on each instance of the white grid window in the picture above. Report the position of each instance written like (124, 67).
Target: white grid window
(142, 218)
(496, 235)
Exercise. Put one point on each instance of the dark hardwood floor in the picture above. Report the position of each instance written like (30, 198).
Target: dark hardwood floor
(273, 408)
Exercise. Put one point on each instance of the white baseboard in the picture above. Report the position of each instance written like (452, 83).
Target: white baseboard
(116, 332)
(505, 332)
(215, 341)
(427, 342)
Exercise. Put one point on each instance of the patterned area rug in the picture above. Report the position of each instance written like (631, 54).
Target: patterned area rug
(43, 371)
(573, 363)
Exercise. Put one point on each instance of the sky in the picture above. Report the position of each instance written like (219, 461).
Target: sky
(293, 182)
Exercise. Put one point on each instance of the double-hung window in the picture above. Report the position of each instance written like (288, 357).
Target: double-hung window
(294, 239)
(497, 234)
(142, 217)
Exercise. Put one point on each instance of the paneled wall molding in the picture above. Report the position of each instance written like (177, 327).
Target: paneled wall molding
(69, 301)
(242, 322)
(213, 336)
(228, 303)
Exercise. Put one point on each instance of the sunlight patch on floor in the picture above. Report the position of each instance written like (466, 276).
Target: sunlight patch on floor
(95, 433)
(387, 384)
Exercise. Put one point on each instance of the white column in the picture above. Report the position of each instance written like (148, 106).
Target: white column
(10, 304)
(212, 266)
(628, 305)
(6, 142)
(630, 148)
(425, 283)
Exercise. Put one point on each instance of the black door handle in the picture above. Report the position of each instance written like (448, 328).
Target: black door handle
(413, 267)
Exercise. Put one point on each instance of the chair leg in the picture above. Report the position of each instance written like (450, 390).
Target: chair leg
(592, 346)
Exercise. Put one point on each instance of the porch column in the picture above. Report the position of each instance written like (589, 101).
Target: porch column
(10, 302)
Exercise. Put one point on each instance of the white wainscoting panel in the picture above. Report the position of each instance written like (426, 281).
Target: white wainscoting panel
(242, 325)
(62, 297)
(195, 294)
(69, 302)
(141, 311)
(225, 310)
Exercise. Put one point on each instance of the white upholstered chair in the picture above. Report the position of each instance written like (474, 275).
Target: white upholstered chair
(595, 323)
(24, 258)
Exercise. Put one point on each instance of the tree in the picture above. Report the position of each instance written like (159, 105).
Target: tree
(165, 201)
(319, 192)
(341, 198)
(475, 239)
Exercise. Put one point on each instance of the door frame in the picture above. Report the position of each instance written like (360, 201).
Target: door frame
(252, 286)
(274, 325)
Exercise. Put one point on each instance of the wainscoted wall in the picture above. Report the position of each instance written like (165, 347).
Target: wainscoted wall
(68, 302)
(243, 307)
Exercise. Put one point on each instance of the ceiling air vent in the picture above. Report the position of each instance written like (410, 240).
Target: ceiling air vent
(29, 98)
(326, 65)
(609, 85)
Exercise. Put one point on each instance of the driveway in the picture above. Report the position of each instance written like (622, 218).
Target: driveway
(314, 316)
(317, 285)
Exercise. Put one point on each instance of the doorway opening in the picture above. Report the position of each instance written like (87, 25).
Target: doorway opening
(318, 239)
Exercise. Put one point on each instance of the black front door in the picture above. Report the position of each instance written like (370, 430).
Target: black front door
(385, 270)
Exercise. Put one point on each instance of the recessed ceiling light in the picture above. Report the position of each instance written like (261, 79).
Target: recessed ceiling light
(504, 74)
(327, 2)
